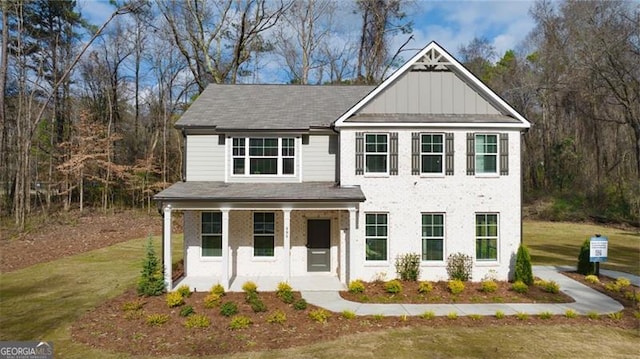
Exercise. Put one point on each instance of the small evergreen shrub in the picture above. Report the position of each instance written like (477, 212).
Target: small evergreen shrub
(217, 289)
(428, 315)
(239, 322)
(452, 315)
(133, 314)
(186, 311)
(475, 316)
(211, 300)
(593, 315)
(319, 315)
(408, 266)
(151, 282)
(591, 279)
(174, 299)
(455, 286)
(284, 287)
(523, 271)
(300, 304)
(378, 317)
(277, 317)
(251, 297)
(459, 266)
(622, 283)
(584, 266)
(404, 318)
(348, 314)
(197, 321)
(522, 316)
(425, 287)
(249, 287)
(519, 287)
(356, 286)
(632, 295)
(132, 305)
(184, 291)
(549, 286)
(570, 313)
(616, 315)
(157, 319)
(488, 286)
(285, 293)
(499, 314)
(545, 315)
(228, 309)
(393, 286)
(258, 306)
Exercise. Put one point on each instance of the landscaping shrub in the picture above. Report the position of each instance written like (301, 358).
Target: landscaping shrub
(250, 297)
(499, 314)
(570, 313)
(545, 315)
(184, 291)
(217, 289)
(186, 311)
(523, 270)
(593, 315)
(619, 285)
(522, 316)
(300, 304)
(408, 266)
(591, 279)
(239, 322)
(615, 316)
(133, 314)
(285, 292)
(393, 286)
(356, 286)
(455, 286)
(277, 317)
(348, 314)
(197, 321)
(548, 286)
(378, 317)
(584, 266)
(459, 266)
(174, 299)
(284, 287)
(452, 315)
(258, 306)
(249, 287)
(519, 287)
(425, 287)
(428, 315)
(211, 300)
(228, 309)
(475, 316)
(132, 305)
(319, 315)
(151, 282)
(157, 319)
(488, 286)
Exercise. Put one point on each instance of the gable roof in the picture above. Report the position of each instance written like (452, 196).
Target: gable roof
(270, 107)
(435, 58)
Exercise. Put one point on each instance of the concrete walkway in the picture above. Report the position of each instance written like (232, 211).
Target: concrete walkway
(586, 300)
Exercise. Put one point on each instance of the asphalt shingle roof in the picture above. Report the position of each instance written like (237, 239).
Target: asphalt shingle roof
(272, 107)
(430, 118)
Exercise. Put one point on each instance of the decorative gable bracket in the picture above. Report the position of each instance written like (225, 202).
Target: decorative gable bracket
(431, 61)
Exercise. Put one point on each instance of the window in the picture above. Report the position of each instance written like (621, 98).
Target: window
(211, 231)
(264, 156)
(486, 237)
(376, 153)
(486, 153)
(376, 236)
(263, 234)
(432, 236)
(431, 153)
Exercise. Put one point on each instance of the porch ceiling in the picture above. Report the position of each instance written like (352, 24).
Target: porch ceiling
(261, 192)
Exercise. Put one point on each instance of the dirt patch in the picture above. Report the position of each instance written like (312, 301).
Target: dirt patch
(74, 233)
(375, 292)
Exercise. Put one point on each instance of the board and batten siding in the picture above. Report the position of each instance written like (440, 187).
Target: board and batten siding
(430, 93)
(319, 158)
(205, 158)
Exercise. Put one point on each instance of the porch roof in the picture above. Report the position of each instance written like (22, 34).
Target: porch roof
(260, 192)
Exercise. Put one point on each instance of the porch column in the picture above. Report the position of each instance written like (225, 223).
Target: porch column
(287, 243)
(343, 250)
(352, 253)
(225, 248)
(166, 249)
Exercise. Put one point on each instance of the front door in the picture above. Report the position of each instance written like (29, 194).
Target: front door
(318, 245)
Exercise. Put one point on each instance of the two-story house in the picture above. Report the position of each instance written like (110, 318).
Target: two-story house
(320, 185)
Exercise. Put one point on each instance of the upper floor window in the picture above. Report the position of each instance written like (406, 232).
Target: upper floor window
(431, 153)
(486, 151)
(376, 236)
(376, 153)
(263, 156)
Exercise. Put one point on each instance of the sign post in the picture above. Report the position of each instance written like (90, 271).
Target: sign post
(598, 247)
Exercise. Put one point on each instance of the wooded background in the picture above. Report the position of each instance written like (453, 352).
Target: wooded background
(87, 112)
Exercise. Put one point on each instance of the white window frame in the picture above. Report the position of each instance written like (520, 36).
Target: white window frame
(495, 154)
(423, 238)
(202, 234)
(244, 154)
(253, 221)
(386, 238)
(441, 154)
(487, 236)
(387, 154)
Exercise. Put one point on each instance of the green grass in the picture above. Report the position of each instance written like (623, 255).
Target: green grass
(559, 243)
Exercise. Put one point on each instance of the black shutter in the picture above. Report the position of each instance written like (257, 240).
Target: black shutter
(471, 154)
(448, 154)
(359, 153)
(504, 154)
(393, 153)
(415, 153)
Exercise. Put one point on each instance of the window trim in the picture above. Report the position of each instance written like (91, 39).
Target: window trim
(442, 155)
(496, 154)
(202, 234)
(443, 238)
(280, 157)
(386, 238)
(263, 235)
(487, 237)
(387, 155)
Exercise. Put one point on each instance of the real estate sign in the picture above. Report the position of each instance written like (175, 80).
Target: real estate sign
(598, 249)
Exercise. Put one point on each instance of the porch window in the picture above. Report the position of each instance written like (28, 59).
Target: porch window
(263, 156)
(486, 236)
(431, 153)
(432, 236)
(376, 236)
(263, 234)
(211, 231)
(376, 153)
